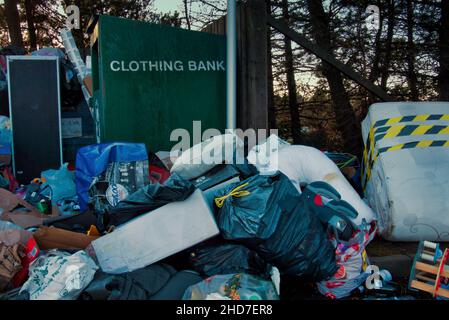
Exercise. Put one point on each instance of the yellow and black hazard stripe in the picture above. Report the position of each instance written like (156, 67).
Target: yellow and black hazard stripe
(402, 146)
(416, 118)
(409, 130)
(384, 129)
(387, 132)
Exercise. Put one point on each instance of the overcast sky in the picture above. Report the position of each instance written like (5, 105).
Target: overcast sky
(167, 5)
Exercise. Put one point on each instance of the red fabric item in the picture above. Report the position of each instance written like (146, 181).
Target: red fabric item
(31, 253)
(318, 200)
(341, 273)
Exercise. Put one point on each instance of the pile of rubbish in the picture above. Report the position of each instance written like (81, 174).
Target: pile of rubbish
(125, 225)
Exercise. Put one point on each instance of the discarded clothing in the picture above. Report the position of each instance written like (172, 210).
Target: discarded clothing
(267, 214)
(351, 257)
(154, 282)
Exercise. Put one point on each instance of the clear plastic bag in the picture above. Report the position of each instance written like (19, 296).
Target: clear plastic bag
(62, 183)
(238, 286)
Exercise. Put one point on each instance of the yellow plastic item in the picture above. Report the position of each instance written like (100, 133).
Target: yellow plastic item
(236, 192)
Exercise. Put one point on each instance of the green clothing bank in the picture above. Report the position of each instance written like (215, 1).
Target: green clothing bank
(149, 79)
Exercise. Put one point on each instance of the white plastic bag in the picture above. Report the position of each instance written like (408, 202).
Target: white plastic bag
(204, 156)
(264, 155)
(59, 276)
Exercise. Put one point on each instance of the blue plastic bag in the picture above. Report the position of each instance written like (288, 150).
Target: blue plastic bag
(5, 130)
(62, 183)
(93, 160)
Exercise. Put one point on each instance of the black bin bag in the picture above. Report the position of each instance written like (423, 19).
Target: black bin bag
(269, 216)
(210, 259)
(149, 198)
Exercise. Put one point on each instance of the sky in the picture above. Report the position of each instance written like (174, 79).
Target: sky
(161, 5)
(167, 5)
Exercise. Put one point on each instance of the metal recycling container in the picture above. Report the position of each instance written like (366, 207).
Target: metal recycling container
(406, 169)
(149, 79)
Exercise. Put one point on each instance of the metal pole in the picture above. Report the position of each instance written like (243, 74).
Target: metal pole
(231, 67)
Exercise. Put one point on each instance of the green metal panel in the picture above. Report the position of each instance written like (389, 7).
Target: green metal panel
(150, 79)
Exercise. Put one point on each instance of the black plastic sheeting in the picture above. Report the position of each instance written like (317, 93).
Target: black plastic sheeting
(227, 258)
(276, 222)
(149, 198)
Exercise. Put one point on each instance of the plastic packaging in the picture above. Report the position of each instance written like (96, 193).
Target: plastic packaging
(62, 183)
(59, 276)
(226, 258)
(149, 198)
(267, 214)
(263, 155)
(156, 235)
(238, 286)
(302, 165)
(199, 159)
(93, 162)
(5, 130)
(6, 225)
(409, 186)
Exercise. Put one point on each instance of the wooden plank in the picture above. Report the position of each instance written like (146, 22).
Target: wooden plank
(422, 286)
(443, 293)
(256, 84)
(325, 56)
(425, 278)
(429, 288)
(431, 269)
(252, 63)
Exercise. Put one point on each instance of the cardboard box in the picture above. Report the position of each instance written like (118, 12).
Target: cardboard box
(156, 235)
(88, 84)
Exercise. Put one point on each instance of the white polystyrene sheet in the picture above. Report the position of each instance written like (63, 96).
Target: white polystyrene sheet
(409, 188)
(156, 235)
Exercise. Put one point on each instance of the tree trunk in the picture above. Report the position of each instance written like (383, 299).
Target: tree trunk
(29, 11)
(443, 76)
(270, 95)
(388, 41)
(411, 54)
(13, 22)
(291, 82)
(186, 10)
(346, 121)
